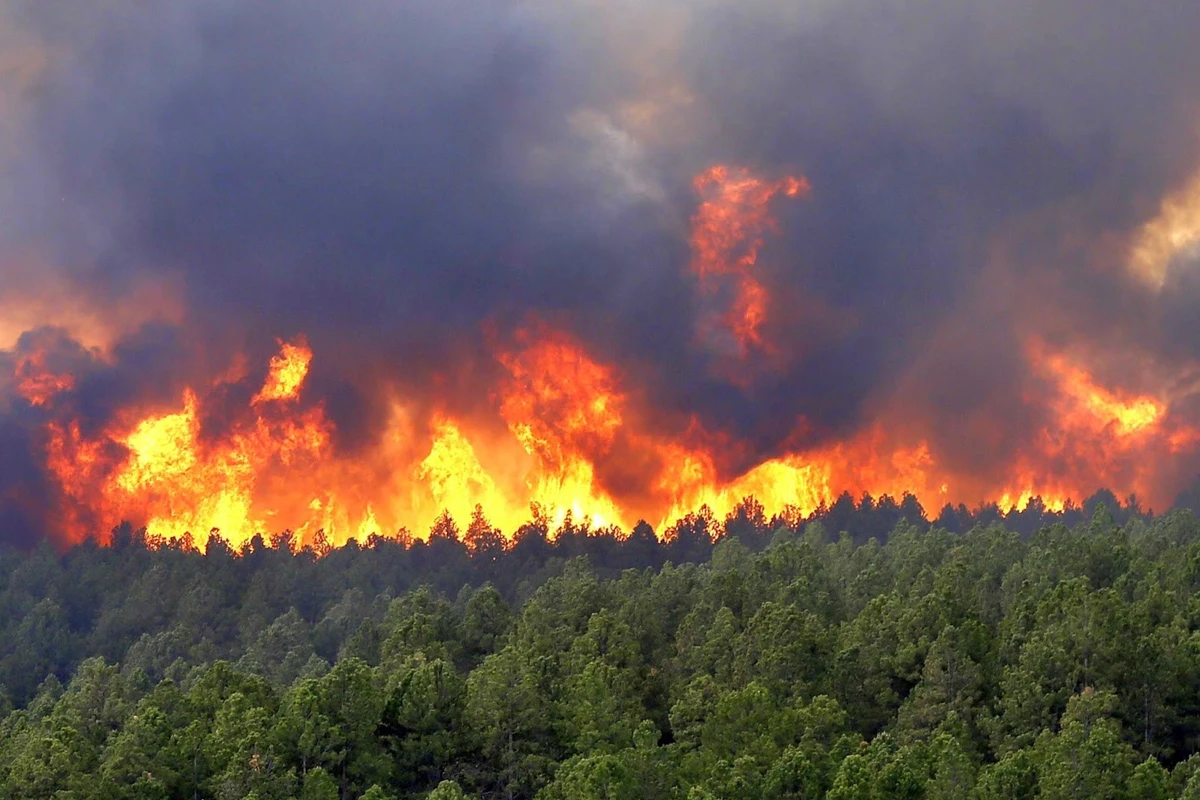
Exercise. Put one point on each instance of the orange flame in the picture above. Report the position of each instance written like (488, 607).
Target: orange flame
(727, 234)
(565, 409)
(288, 371)
(565, 414)
(176, 482)
(1099, 435)
(37, 383)
(454, 475)
(568, 433)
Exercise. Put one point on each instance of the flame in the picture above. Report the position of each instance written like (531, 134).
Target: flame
(1088, 405)
(454, 475)
(178, 483)
(805, 481)
(288, 371)
(727, 234)
(161, 449)
(37, 382)
(565, 431)
(566, 410)
(79, 464)
(1095, 434)
(565, 414)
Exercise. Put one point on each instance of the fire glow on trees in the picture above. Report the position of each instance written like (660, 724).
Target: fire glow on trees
(568, 432)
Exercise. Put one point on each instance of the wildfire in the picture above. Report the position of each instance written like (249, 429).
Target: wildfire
(288, 371)
(727, 235)
(565, 413)
(566, 431)
(1094, 433)
(566, 410)
(1085, 404)
(805, 481)
(37, 383)
(454, 475)
(177, 483)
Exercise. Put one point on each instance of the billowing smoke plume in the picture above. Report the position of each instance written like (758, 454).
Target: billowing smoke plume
(991, 202)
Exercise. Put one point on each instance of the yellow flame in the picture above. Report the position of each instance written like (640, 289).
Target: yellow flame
(288, 370)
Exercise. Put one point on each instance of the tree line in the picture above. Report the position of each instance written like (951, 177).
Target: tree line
(860, 652)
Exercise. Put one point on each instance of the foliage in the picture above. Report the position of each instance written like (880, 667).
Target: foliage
(760, 659)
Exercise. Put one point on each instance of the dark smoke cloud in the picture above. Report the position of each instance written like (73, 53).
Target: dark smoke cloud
(24, 492)
(935, 133)
(388, 177)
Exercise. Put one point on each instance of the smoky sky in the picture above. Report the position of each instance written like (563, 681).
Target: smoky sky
(391, 178)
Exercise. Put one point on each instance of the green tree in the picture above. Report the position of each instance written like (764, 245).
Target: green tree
(1087, 757)
(422, 722)
(318, 785)
(1149, 781)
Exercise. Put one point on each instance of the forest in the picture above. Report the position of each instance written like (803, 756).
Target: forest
(864, 651)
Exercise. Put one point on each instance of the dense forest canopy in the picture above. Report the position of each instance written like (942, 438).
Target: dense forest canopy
(859, 653)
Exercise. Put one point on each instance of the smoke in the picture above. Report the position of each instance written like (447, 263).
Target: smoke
(397, 180)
